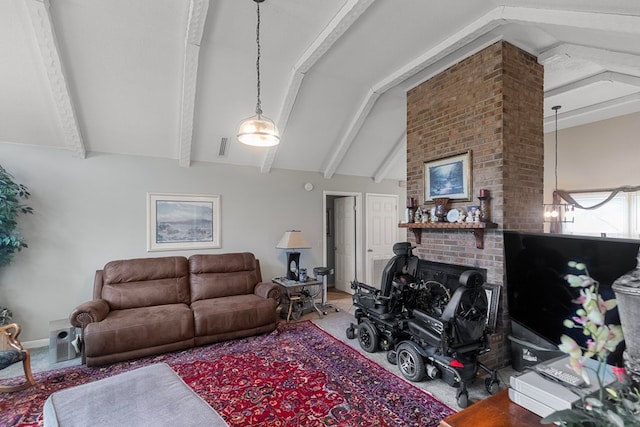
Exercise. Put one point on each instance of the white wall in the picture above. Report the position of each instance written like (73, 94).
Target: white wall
(91, 211)
(598, 155)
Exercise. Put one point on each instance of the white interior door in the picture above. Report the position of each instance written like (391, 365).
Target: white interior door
(382, 233)
(345, 242)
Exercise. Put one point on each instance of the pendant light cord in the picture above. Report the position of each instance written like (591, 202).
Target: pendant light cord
(556, 167)
(556, 108)
(258, 104)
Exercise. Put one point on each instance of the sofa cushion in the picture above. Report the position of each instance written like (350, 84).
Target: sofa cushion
(222, 275)
(135, 328)
(145, 282)
(235, 313)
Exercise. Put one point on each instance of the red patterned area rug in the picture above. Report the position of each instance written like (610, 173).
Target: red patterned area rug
(299, 375)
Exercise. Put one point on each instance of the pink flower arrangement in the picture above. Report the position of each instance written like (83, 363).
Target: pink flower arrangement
(602, 339)
(618, 404)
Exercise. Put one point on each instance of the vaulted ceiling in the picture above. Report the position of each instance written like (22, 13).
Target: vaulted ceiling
(174, 78)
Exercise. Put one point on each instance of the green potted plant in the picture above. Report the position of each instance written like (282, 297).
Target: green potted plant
(12, 196)
(616, 404)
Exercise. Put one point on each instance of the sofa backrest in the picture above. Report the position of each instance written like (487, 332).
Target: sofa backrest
(220, 275)
(143, 282)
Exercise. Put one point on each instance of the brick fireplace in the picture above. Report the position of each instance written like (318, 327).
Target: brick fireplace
(491, 104)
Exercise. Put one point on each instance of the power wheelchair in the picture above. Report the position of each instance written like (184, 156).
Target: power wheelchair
(427, 329)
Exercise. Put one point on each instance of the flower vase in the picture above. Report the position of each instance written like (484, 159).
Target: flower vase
(627, 290)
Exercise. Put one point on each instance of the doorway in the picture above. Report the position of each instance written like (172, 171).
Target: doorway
(344, 229)
(342, 238)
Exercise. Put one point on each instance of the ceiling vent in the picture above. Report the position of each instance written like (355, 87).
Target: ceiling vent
(224, 146)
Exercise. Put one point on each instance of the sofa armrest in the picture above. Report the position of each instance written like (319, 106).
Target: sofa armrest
(268, 290)
(89, 312)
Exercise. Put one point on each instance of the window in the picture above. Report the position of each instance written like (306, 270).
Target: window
(617, 218)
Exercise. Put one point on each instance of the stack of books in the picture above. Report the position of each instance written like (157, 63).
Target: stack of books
(543, 393)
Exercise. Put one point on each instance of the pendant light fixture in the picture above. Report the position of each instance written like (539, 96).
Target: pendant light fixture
(557, 212)
(258, 130)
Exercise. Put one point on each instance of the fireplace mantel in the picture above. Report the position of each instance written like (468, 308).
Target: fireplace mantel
(477, 228)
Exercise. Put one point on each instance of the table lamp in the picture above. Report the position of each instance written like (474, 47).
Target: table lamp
(293, 239)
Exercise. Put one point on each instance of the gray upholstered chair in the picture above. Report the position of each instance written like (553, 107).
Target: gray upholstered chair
(16, 353)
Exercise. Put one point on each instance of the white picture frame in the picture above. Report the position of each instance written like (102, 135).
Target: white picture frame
(182, 222)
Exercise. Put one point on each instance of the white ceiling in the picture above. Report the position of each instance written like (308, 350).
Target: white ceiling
(172, 78)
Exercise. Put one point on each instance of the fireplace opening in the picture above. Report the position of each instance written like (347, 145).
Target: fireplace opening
(446, 274)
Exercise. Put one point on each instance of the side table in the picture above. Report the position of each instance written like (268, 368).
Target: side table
(295, 292)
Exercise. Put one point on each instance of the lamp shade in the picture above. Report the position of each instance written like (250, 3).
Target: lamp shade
(258, 131)
(293, 239)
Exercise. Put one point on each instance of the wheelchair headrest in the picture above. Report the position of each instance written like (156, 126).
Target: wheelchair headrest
(402, 248)
(471, 279)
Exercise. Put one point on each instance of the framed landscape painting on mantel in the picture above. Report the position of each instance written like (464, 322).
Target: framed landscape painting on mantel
(182, 221)
(449, 177)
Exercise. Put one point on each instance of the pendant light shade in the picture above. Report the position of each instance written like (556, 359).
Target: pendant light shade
(258, 130)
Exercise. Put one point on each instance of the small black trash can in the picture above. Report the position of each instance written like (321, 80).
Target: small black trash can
(528, 348)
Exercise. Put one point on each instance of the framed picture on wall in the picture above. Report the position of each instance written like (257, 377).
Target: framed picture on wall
(182, 221)
(448, 177)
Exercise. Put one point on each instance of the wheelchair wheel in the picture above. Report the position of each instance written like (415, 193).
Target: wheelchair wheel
(463, 399)
(367, 337)
(491, 385)
(410, 363)
(351, 333)
(392, 357)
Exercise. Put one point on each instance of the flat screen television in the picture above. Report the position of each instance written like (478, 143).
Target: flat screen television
(537, 294)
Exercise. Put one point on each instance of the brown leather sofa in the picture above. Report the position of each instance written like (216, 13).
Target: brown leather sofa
(148, 306)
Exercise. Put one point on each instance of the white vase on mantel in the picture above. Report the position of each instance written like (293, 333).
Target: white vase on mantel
(627, 290)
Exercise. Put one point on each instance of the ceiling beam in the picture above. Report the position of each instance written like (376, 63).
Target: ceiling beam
(44, 32)
(390, 159)
(625, 63)
(339, 151)
(609, 22)
(457, 41)
(339, 25)
(497, 17)
(195, 27)
(295, 82)
(565, 119)
(621, 68)
(607, 76)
